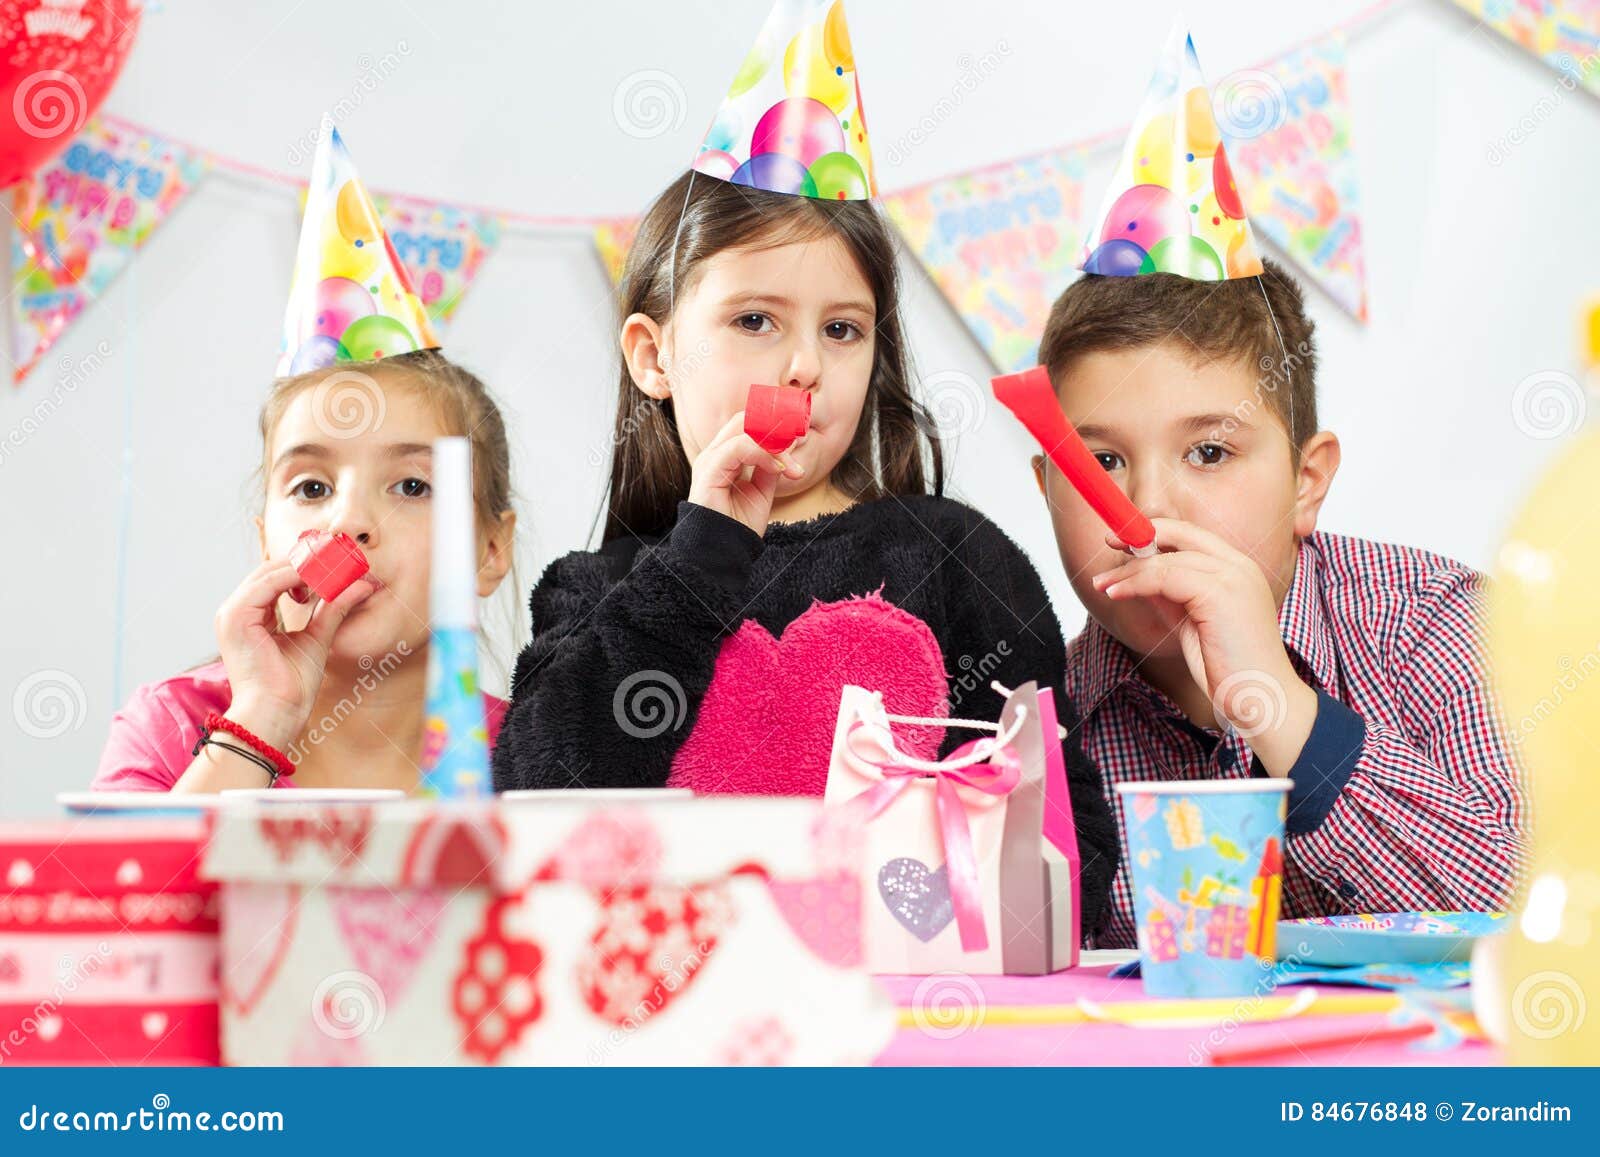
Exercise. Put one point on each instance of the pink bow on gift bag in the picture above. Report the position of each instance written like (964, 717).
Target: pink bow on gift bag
(997, 813)
(988, 766)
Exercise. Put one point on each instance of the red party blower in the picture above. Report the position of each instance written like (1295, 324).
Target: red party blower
(328, 563)
(1030, 397)
(777, 416)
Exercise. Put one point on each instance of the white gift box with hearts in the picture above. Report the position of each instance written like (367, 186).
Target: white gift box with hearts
(573, 930)
(108, 943)
(971, 862)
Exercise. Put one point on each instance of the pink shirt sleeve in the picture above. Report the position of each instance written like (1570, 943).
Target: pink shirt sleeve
(152, 737)
(151, 742)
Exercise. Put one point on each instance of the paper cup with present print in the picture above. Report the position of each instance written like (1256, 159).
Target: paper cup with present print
(1206, 861)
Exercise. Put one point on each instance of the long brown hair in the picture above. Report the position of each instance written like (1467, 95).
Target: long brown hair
(895, 449)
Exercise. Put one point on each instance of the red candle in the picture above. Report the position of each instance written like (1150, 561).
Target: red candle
(328, 563)
(1030, 397)
(777, 416)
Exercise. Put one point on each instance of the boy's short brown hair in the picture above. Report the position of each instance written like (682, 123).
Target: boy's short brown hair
(1209, 319)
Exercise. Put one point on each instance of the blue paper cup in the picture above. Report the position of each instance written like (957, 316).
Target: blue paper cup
(1206, 861)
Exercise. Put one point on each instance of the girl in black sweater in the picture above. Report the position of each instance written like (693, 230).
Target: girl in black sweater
(735, 593)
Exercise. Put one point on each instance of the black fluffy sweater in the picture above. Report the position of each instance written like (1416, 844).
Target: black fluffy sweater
(635, 643)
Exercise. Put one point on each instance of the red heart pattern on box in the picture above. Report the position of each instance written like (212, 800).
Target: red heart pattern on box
(652, 943)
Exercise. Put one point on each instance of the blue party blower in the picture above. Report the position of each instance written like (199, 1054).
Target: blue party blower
(455, 735)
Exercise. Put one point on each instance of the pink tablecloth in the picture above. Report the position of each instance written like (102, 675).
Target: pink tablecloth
(1114, 1044)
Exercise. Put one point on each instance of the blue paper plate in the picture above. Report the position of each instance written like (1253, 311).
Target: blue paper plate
(1386, 937)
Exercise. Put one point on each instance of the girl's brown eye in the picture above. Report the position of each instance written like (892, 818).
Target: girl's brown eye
(1108, 460)
(415, 488)
(310, 489)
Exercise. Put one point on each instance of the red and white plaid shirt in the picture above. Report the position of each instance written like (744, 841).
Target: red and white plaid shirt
(1406, 795)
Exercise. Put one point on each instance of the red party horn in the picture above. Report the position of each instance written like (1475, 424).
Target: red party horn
(328, 564)
(777, 416)
(1030, 397)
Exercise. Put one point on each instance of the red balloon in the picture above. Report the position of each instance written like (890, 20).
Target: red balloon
(1222, 184)
(58, 60)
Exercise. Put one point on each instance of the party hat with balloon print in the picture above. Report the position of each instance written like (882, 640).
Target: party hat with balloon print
(1173, 206)
(792, 121)
(351, 300)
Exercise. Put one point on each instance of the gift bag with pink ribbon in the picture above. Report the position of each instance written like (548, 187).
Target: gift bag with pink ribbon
(971, 861)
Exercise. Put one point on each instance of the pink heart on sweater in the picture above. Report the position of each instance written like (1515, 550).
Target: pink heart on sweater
(766, 723)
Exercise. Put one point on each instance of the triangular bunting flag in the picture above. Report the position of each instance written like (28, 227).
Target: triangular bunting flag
(1564, 33)
(1001, 243)
(612, 240)
(79, 221)
(441, 247)
(1288, 125)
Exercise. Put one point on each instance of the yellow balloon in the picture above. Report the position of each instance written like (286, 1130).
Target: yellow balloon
(1545, 642)
(1152, 158)
(836, 38)
(806, 71)
(343, 258)
(1199, 123)
(356, 214)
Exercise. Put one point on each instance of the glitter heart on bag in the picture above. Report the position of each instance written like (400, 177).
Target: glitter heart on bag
(918, 898)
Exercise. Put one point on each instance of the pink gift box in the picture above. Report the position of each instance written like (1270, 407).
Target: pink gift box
(1015, 855)
(564, 931)
(108, 943)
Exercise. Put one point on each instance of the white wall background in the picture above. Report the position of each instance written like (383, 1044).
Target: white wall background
(1475, 270)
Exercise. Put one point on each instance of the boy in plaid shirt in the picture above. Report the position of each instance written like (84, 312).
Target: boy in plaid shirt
(1254, 644)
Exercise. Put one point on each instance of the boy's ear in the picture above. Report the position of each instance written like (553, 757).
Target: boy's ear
(1319, 462)
(1038, 473)
(644, 356)
(495, 561)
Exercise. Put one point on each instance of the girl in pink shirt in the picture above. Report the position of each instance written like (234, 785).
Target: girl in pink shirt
(338, 687)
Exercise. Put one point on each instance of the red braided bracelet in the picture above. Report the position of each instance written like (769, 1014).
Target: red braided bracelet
(218, 722)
